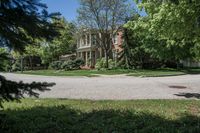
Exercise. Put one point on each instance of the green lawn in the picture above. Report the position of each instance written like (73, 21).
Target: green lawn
(75, 116)
(91, 73)
(157, 73)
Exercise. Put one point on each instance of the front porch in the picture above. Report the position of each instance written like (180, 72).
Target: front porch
(90, 56)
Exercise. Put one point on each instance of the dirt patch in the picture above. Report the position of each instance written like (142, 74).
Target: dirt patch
(194, 110)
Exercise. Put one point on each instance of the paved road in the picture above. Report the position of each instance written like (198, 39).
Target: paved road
(117, 87)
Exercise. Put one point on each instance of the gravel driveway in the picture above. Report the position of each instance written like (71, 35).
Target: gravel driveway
(117, 87)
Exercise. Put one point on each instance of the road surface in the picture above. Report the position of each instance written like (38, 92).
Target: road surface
(117, 87)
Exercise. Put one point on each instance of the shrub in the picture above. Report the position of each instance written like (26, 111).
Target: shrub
(16, 66)
(78, 63)
(101, 64)
(111, 64)
(72, 64)
(67, 65)
(8, 67)
(56, 65)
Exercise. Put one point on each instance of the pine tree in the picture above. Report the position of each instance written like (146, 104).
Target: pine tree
(21, 22)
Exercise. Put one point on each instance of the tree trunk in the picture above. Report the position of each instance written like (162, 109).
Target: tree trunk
(106, 56)
(21, 64)
(31, 64)
(177, 64)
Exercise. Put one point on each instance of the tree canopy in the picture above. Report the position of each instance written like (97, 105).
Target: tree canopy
(170, 30)
(61, 45)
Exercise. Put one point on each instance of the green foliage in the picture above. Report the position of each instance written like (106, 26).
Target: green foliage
(45, 55)
(67, 65)
(111, 64)
(22, 21)
(170, 31)
(56, 65)
(64, 44)
(16, 66)
(32, 50)
(101, 64)
(78, 63)
(4, 59)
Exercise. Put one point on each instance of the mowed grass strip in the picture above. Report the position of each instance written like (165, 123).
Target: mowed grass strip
(71, 116)
(156, 73)
(93, 73)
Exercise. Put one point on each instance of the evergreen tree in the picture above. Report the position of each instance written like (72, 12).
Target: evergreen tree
(24, 20)
(21, 22)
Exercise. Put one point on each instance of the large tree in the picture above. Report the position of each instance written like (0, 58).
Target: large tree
(105, 17)
(170, 31)
(177, 23)
(65, 43)
(61, 45)
(21, 22)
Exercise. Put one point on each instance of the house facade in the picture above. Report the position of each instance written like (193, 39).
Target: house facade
(89, 50)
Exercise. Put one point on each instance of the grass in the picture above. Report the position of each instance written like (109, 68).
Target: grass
(74, 116)
(157, 73)
(89, 73)
(93, 73)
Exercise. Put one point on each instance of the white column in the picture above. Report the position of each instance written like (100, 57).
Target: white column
(86, 40)
(86, 61)
(82, 55)
(100, 50)
(90, 57)
(90, 39)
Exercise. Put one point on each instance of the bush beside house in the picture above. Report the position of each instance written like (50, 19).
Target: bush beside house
(101, 64)
(67, 65)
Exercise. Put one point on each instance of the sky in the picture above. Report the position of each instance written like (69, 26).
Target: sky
(68, 8)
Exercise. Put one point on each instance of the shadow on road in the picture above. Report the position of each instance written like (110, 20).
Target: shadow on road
(12, 90)
(189, 95)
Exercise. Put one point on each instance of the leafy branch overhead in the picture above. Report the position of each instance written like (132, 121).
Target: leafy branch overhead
(24, 20)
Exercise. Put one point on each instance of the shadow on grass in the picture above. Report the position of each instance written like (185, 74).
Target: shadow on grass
(189, 95)
(191, 71)
(64, 119)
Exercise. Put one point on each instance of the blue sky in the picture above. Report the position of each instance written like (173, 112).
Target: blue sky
(67, 7)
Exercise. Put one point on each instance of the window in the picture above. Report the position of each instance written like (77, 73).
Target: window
(84, 40)
(78, 43)
(88, 39)
(94, 39)
(115, 40)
